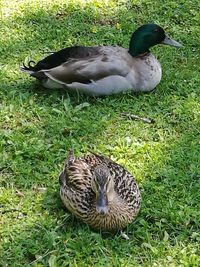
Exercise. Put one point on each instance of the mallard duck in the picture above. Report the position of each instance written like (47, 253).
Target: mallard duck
(105, 70)
(99, 191)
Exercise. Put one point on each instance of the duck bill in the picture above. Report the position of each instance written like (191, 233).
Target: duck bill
(169, 41)
(102, 203)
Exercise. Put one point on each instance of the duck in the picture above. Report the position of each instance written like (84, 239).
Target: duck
(105, 70)
(98, 191)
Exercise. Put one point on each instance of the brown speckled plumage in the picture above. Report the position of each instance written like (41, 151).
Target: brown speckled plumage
(79, 198)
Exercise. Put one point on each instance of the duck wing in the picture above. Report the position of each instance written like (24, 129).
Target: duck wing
(62, 56)
(82, 64)
(76, 173)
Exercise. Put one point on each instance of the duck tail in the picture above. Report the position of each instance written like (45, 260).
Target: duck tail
(68, 161)
(70, 158)
(29, 68)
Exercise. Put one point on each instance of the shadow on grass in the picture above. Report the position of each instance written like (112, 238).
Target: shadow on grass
(168, 221)
(64, 26)
(64, 239)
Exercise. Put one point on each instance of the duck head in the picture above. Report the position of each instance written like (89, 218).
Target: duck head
(147, 36)
(103, 185)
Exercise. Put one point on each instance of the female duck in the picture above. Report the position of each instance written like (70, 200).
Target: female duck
(99, 192)
(105, 70)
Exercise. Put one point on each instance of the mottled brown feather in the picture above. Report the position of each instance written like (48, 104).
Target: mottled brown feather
(77, 194)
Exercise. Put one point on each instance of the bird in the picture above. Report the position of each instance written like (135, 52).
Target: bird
(105, 70)
(100, 192)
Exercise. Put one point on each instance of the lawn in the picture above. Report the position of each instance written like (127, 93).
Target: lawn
(38, 126)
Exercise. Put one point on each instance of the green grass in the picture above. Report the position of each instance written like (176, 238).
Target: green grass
(38, 126)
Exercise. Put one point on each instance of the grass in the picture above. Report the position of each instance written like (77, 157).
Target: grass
(38, 126)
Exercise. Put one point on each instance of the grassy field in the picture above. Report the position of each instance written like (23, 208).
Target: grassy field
(38, 126)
